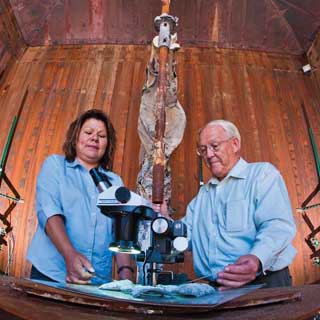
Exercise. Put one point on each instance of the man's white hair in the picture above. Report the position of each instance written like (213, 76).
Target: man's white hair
(228, 126)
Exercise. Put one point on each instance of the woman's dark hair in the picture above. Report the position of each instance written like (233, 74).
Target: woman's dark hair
(69, 146)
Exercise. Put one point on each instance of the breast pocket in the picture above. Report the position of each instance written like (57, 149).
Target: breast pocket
(236, 215)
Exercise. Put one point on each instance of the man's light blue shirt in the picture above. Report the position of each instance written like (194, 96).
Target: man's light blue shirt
(248, 212)
(66, 188)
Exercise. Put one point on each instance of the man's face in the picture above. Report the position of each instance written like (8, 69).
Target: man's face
(219, 152)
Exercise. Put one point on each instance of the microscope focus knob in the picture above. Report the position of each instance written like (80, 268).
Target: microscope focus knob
(122, 194)
(180, 244)
(160, 225)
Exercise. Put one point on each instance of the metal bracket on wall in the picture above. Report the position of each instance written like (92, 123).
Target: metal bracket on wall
(3, 177)
(313, 239)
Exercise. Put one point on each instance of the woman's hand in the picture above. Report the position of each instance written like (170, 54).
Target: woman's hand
(79, 269)
(161, 208)
(126, 274)
(125, 267)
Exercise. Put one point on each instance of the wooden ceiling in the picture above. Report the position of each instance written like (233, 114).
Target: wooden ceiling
(287, 26)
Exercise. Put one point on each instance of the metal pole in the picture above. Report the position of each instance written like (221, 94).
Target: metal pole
(159, 160)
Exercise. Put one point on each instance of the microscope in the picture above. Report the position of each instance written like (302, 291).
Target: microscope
(168, 239)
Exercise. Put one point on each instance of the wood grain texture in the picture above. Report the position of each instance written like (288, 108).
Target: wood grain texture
(159, 307)
(262, 93)
(12, 45)
(268, 25)
(43, 308)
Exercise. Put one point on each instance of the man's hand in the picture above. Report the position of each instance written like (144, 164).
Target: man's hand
(79, 269)
(235, 275)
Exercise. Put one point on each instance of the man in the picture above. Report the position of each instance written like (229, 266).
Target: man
(240, 224)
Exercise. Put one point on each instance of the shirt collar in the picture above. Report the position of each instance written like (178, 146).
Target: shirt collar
(74, 163)
(238, 172)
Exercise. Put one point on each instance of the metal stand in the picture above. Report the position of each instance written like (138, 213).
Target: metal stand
(313, 239)
(16, 198)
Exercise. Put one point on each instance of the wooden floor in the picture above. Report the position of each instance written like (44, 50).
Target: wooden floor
(262, 93)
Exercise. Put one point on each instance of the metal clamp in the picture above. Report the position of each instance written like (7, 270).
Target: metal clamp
(165, 25)
(166, 18)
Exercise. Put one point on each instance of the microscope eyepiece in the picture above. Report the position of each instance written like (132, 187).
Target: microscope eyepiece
(101, 180)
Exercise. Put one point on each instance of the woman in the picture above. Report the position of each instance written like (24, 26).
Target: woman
(72, 237)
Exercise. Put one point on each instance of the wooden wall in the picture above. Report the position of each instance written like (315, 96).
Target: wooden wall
(12, 44)
(261, 93)
(274, 26)
(313, 56)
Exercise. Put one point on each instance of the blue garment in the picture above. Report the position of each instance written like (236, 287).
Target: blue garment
(248, 212)
(67, 188)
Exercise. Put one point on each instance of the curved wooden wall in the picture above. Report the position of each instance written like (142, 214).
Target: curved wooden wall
(12, 44)
(261, 93)
(265, 25)
(313, 55)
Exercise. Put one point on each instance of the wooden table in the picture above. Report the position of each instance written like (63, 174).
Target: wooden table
(304, 304)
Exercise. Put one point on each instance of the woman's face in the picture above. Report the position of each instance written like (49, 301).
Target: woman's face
(92, 143)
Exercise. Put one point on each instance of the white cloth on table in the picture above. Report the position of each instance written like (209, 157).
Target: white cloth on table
(187, 289)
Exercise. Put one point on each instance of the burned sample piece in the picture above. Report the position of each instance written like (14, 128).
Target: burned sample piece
(188, 289)
(174, 128)
(175, 121)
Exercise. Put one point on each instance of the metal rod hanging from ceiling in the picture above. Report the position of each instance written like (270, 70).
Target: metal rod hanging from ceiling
(159, 160)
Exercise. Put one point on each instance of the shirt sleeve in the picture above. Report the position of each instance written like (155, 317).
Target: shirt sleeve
(188, 220)
(47, 191)
(273, 218)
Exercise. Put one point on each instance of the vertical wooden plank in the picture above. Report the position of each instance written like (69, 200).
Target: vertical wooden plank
(119, 110)
(107, 77)
(130, 165)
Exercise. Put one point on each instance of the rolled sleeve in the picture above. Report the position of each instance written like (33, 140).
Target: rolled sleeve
(48, 196)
